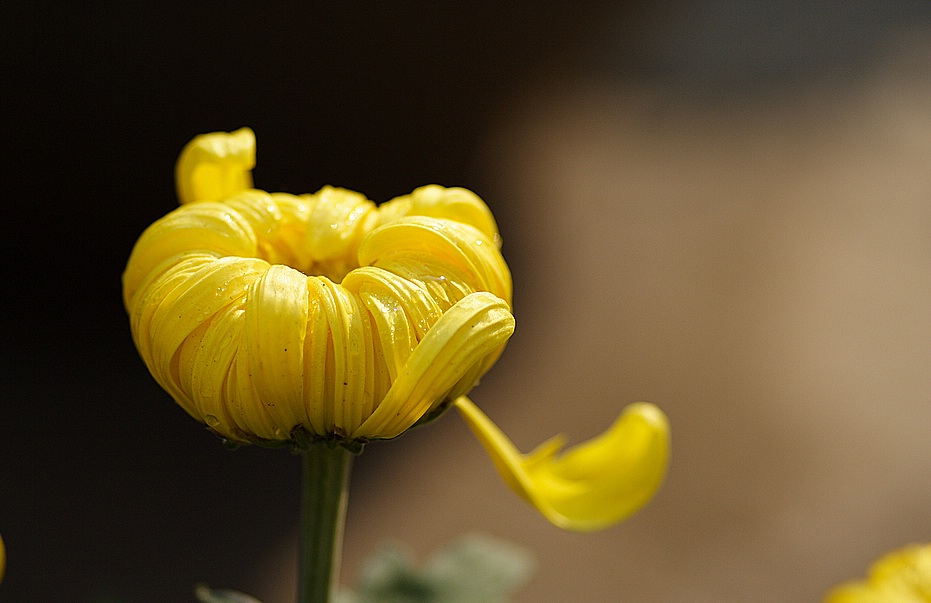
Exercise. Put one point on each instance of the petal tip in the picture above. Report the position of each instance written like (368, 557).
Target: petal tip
(215, 165)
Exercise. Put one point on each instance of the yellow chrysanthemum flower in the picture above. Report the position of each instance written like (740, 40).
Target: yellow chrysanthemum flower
(902, 576)
(276, 318)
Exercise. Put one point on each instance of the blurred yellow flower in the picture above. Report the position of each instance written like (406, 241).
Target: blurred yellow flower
(902, 576)
(276, 318)
(2, 559)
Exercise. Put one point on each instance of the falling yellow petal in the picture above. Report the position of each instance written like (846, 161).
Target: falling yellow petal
(902, 576)
(590, 486)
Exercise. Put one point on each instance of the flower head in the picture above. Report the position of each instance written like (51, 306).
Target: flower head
(902, 576)
(262, 313)
(274, 318)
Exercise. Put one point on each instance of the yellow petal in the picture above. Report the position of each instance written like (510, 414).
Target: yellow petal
(476, 326)
(275, 315)
(441, 252)
(457, 204)
(215, 166)
(202, 228)
(337, 219)
(590, 486)
(348, 356)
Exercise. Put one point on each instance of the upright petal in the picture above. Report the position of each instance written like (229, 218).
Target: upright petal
(215, 166)
(590, 486)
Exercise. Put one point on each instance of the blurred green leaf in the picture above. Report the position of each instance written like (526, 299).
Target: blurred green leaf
(473, 569)
(481, 568)
(205, 594)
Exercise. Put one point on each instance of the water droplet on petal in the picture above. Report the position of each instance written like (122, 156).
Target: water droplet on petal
(211, 420)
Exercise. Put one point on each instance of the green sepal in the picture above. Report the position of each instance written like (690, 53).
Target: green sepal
(302, 440)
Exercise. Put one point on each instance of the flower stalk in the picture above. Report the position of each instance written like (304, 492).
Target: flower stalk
(324, 495)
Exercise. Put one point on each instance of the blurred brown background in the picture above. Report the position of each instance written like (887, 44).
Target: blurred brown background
(720, 207)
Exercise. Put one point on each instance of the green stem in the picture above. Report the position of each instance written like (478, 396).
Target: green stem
(325, 489)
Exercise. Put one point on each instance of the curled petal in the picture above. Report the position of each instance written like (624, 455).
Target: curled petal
(214, 166)
(457, 204)
(590, 486)
(440, 253)
(468, 332)
(338, 219)
(207, 229)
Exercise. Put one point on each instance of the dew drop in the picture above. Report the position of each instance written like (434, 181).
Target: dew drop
(280, 434)
(211, 420)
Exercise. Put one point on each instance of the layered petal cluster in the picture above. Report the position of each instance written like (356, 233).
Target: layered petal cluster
(261, 313)
(902, 576)
(273, 317)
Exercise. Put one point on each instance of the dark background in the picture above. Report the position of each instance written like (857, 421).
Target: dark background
(108, 491)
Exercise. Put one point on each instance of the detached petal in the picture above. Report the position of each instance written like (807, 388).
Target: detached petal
(590, 486)
(215, 166)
